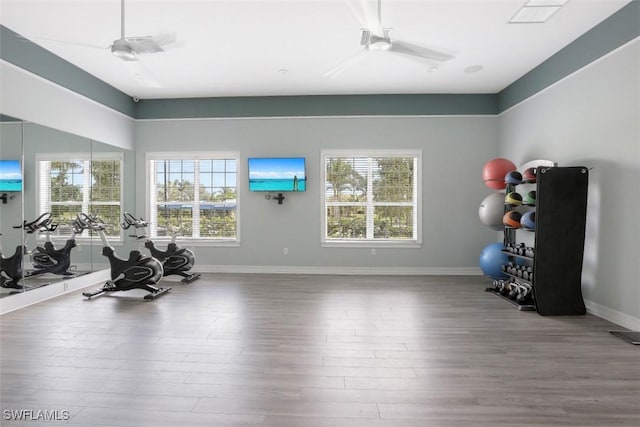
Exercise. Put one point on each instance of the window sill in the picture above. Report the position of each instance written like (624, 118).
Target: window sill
(371, 244)
(60, 241)
(198, 242)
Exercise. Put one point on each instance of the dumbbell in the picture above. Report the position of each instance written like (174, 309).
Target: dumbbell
(506, 288)
(513, 290)
(509, 267)
(525, 291)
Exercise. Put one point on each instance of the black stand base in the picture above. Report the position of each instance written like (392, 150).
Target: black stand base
(191, 277)
(149, 296)
(154, 295)
(628, 336)
(11, 285)
(93, 293)
(521, 307)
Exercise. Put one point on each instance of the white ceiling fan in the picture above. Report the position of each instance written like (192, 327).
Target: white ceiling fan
(375, 37)
(128, 48)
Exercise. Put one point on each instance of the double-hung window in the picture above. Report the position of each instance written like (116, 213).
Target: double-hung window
(194, 196)
(71, 183)
(371, 197)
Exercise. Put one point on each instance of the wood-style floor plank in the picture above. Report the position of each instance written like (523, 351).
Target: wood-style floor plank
(314, 350)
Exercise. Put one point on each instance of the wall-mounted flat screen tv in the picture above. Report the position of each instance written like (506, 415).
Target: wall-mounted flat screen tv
(277, 174)
(10, 176)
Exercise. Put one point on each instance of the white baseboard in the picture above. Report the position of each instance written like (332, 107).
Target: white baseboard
(381, 271)
(612, 315)
(33, 296)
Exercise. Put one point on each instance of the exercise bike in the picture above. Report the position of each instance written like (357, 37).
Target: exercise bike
(11, 271)
(137, 272)
(174, 260)
(48, 259)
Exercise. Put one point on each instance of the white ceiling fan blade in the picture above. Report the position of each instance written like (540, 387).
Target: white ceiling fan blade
(69, 42)
(144, 44)
(151, 44)
(164, 38)
(336, 71)
(419, 51)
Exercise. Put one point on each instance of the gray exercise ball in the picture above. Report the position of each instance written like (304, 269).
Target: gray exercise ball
(491, 211)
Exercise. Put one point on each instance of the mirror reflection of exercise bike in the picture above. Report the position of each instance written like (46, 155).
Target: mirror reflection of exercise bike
(175, 260)
(11, 271)
(49, 259)
(12, 267)
(137, 272)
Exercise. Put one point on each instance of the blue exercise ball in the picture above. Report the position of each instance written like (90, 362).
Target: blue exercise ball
(491, 259)
(513, 178)
(528, 220)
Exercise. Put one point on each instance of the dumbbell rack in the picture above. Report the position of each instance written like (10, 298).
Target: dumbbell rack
(558, 249)
(503, 289)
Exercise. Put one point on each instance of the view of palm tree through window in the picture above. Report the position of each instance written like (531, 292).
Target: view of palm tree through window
(70, 187)
(371, 198)
(194, 198)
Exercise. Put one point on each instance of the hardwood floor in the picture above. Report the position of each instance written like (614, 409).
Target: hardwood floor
(297, 350)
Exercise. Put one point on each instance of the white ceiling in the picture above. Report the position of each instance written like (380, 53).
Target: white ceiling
(241, 47)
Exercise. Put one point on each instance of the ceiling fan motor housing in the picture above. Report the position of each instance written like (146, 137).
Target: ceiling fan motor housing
(373, 41)
(122, 49)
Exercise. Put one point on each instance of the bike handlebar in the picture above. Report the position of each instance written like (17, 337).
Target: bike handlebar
(43, 222)
(130, 220)
(90, 221)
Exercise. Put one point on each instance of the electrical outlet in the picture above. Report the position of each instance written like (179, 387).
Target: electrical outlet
(285, 251)
(373, 251)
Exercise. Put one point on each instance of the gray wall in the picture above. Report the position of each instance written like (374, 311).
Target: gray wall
(592, 118)
(454, 149)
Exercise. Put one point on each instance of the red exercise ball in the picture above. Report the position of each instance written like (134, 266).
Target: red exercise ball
(494, 171)
(529, 175)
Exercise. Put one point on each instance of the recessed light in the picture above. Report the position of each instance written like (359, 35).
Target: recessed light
(473, 69)
(537, 11)
(533, 3)
(432, 69)
(534, 15)
(283, 71)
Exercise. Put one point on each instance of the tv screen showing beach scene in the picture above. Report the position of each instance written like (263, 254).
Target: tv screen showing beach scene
(277, 174)
(10, 176)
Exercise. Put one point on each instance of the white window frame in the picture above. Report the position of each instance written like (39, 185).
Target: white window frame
(371, 242)
(43, 177)
(192, 155)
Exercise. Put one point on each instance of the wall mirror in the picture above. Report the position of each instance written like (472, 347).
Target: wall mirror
(63, 175)
(11, 239)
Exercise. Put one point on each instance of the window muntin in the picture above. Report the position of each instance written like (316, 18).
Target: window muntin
(69, 183)
(194, 196)
(371, 196)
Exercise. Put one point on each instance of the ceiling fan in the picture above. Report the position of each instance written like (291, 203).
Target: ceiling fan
(127, 48)
(375, 37)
